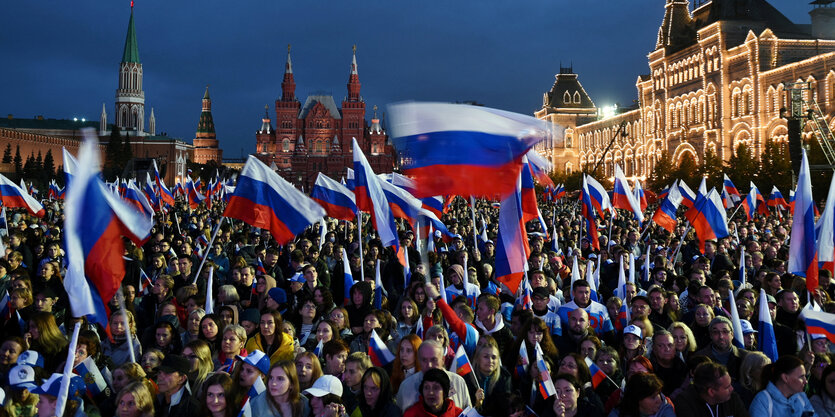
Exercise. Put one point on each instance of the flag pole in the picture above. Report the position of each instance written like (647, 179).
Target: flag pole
(177, 221)
(475, 236)
(63, 394)
(206, 256)
(359, 233)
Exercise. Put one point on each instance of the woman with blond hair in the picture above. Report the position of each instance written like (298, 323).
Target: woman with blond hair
(683, 339)
(117, 349)
(134, 400)
(493, 379)
(45, 337)
(199, 356)
(283, 394)
(750, 372)
(308, 369)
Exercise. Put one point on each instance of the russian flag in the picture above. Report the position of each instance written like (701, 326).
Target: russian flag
(522, 362)
(93, 379)
(623, 198)
(378, 351)
(738, 339)
(136, 198)
(259, 268)
(640, 196)
(665, 215)
(545, 384)
(819, 322)
(559, 192)
(826, 230)
(434, 204)
(803, 253)
(194, 196)
(708, 218)
(402, 204)
(791, 201)
(540, 168)
(749, 204)
(689, 197)
(512, 249)
(548, 194)
(95, 221)
(663, 194)
(265, 200)
(178, 189)
(598, 196)
(123, 188)
(337, 200)
(70, 167)
(165, 194)
(371, 198)
(526, 300)
(462, 149)
(765, 337)
(623, 317)
(348, 277)
(530, 210)
(776, 199)
(13, 196)
(731, 190)
(588, 213)
(597, 374)
(460, 363)
(145, 282)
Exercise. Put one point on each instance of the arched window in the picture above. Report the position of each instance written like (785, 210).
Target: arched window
(566, 98)
(576, 97)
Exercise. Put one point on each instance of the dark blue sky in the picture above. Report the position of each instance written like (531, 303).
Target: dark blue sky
(61, 58)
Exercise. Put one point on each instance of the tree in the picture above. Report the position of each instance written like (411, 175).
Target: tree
(29, 167)
(49, 165)
(686, 169)
(742, 167)
(661, 175)
(127, 152)
(7, 155)
(112, 158)
(711, 168)
(18, 161)
(775, 168)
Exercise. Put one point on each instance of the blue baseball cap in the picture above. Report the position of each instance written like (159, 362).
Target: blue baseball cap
(257, 359)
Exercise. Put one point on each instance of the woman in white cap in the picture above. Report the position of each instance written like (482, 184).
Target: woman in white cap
(326, 396)
(20, 401)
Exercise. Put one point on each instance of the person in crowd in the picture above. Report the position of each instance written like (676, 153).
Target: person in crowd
(270, 340)
(711, 394)
(175, 397)
(569, 400)
(492, 377)
(326, 397)
(750, 376)
(435, 398)
(824, 401)
(783, 394)
(308, 369)
(430, 356)
(215, 398)
(376, 397)
(721, 349)
(135, 400)
(355, 366)
(283, 396)
(199, 357)
(642, 397)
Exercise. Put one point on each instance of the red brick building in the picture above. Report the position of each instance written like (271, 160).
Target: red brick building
(317, 136)
(205, 142)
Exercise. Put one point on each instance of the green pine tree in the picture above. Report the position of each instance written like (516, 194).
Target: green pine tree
(127, 151)
(18, 161)
(775, 167)
(742, 167)
(29, 167)
(711, 168)
(49, 165)
(7, 155)
(685, 171)
(661, 175)
(112, 154)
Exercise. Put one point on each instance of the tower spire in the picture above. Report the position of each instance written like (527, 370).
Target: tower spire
(288, 85)
(130, 98)
(354, 79)
(131, 53)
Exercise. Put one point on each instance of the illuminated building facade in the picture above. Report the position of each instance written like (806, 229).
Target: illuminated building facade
(717, 78)
(205, 141)
(316, 136)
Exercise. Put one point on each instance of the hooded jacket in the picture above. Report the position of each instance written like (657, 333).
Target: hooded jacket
(772, 402)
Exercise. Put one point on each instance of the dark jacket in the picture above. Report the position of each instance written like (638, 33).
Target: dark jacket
(691, 404)
(734, 360)
(187, 406)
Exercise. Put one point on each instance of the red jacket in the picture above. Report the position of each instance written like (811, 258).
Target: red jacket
(418, 410)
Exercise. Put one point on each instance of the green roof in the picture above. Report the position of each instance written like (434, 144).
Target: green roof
(131, 48)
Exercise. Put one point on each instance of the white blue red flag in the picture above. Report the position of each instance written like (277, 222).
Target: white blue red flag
(765, 337)
(265, 200)
(462, 149)
(738, 339)
(708, 218)
(544, 382)
(70, 167)
(512, 249)
(378, 351)
(540, 167)
(623, 198)
(93, 378)
(826, 229)
(803, 252)
(337, 200)
(588, 212)
(598, 197)
(13, 196)
(731, 190)
(689, 197)
(640, 195)
(776, 199)
(371, 198)
(136, 198)
(348, 277)
(819, 322)
(665, 215)
(165, 195)
(95, 221)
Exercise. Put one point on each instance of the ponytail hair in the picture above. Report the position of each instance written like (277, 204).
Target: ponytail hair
(783, 365)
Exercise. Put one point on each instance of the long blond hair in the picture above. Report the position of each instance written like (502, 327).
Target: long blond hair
(142, 397)
(50, 339)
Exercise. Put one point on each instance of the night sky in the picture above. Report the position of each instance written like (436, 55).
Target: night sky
(61, 58)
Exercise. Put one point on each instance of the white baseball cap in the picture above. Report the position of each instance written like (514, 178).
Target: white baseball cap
(633, 330)
(22, 376)
(326, 384)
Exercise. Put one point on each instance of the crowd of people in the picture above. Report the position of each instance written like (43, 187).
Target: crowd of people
(283, 337)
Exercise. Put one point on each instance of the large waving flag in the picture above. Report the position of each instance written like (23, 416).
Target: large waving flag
(819, 322)
(588, 213)
(540, 168)
(640, 196)
(70, 167)
(689, 197)
(622, 196)
(371, 198)
(765, 337)
(263, 199)
(708, 218)
(665, 215)
(598, 196)
(803, 253)
(776, 199)
(378, 351)
(136, 198)
(13, 196)
(165, 195)
(512, 249)
(337, 199)
(826, 229)
(95, 221)
(463, 149)
(731, 190)
(749, 205)
(194, 195)
(530, 210)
